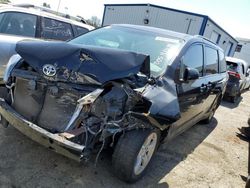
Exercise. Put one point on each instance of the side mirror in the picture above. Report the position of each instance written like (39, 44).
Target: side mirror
(248, 72)
(191, 74)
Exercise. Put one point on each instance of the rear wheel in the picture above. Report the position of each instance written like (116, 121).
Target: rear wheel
(233, 99)
(133, 153)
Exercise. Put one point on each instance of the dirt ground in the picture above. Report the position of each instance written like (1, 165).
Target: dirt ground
(205, 156)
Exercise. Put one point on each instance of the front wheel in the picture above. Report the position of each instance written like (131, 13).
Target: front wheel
(133, 153)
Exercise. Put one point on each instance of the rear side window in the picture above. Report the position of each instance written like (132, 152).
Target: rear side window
(194, 58)
(81, 30)
(231, 66)
(56, 30)
(211, 61)
(16, 23)
(222, 62)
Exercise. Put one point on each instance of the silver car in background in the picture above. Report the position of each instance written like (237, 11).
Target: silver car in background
(24, 21)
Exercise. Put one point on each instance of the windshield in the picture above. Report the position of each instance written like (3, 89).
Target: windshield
(161, 49)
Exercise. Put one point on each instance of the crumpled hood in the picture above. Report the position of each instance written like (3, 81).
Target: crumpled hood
(78, 63)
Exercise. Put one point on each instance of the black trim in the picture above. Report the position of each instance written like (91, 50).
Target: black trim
(38, 27)
(103, 16)
(203, 26)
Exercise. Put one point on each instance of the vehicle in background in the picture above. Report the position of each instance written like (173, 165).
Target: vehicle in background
(26, 22)
(39, 22)
(123, 86)
(239, 78)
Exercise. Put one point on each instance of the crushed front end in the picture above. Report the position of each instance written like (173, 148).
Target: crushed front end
(78, 100)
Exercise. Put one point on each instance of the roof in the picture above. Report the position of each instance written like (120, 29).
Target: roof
(244, 40)
(235, 60)
(176, 10)
(39, 12)
(157, 31)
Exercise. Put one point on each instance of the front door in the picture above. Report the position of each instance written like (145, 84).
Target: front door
(191, 94)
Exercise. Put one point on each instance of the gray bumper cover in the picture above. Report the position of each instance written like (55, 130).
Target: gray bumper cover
(54, 142)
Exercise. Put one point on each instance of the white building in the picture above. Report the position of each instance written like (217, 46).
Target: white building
(171, 19)
(243, 50)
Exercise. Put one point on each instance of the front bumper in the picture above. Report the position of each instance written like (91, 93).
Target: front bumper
(54, 142)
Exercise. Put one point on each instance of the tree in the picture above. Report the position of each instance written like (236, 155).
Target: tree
(94, 21)
(5, 1)
(47, 5)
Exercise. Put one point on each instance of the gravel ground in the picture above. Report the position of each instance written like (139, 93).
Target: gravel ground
(204, 156)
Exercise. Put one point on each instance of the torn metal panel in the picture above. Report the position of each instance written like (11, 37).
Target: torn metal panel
(163, 97)
(88, 99)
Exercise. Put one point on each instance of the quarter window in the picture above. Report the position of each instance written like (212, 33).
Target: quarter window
(194, 58)
(16, 23)
(56, 30)
(81, 30)
(211, 61)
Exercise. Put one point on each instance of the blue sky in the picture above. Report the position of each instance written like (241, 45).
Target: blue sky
(232, 15)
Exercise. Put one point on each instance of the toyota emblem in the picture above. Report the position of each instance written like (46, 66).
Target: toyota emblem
(49, 70)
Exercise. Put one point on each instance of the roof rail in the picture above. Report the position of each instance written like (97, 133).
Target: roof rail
(45, 9)
(205, 38)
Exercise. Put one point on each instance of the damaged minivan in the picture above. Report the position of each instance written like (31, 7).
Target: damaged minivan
(123, 87)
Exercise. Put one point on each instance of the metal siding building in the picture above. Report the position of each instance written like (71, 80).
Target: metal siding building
(243, 50)
(171, 19)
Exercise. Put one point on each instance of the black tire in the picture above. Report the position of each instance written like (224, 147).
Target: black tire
(248, 182)
(126, 151)
(234, 99)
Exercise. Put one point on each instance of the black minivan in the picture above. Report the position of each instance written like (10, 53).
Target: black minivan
(123, 87)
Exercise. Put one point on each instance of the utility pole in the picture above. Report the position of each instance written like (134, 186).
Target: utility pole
(58, 6)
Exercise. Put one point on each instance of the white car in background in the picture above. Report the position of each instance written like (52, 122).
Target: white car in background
(241, 67)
